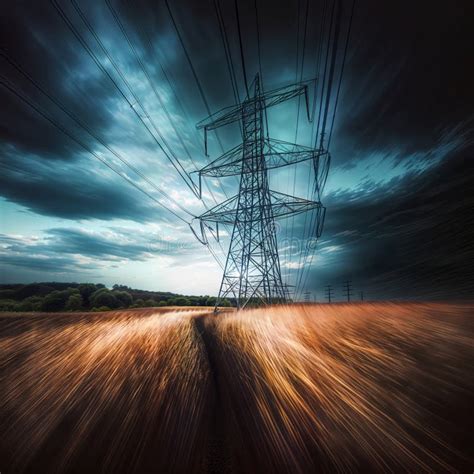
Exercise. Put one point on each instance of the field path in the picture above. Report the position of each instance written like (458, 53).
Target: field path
(219, 453)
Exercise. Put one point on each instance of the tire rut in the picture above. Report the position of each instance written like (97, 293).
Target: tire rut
(218, 459)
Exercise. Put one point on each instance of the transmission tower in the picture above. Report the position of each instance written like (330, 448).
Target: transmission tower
(347, 288)
(329, 293)
(252, 269)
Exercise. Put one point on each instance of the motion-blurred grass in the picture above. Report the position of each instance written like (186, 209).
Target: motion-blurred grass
(355, 387)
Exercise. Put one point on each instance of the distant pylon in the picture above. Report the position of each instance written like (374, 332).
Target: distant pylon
(307, 296)
(329, 293)
(347, 288)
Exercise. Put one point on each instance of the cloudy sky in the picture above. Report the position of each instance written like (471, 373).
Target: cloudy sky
(82, 103)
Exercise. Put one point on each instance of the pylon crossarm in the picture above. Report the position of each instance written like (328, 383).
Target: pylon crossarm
(228, 164)
(282, 206)
(244, 110)
(277, 153)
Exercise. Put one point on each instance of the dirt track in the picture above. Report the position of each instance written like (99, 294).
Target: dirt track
(362, 387)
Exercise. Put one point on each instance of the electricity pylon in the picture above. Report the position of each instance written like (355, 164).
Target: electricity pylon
(348, 289)
(329, 293)
(252, 270)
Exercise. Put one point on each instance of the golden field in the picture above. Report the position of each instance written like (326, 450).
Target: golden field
(368, 387)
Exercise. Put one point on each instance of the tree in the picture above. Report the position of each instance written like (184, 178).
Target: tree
(8, 305)
(86, 290)
(56, 300)
(139, 303)
(104, 297)
(163, 303)
(150, 303)
(181, 301)
(225, 303)
(74, 303)
(125, 299)
(211, 301)
(33, 303)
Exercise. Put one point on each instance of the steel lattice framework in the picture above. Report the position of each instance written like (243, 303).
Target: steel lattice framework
(252, 269)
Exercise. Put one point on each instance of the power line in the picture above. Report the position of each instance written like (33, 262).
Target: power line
(136, 98)
(331, 69)
(191, 65)
(290, 253)
(322, 92)
(185, 113)
(302, 60)
(173, 160)
(83, 125)
(227, 51)
(162, 104)
(242, 58)
(342, 71)
(147, 75)
(257, 24)
(4, 82)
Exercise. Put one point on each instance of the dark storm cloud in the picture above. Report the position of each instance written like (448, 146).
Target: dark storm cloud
(408, 75)
(52, 189)
(33, 37)
(44, 169)
(410, 238)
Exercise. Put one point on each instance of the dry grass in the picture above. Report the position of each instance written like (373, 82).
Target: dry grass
(361, 387)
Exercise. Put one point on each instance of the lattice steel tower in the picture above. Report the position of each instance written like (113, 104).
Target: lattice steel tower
(252, 269)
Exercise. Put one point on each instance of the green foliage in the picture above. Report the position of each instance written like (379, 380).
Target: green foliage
(8, 305)
(56, 300)
(125, 299)
(33, 303)
(104, 297)
(139, 303)
(74, 303)
(225, 303)
(86, 290)
(211, 301)
(55, 296)
(180, 301)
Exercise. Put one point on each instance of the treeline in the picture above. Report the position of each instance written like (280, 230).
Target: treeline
(54, 296)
